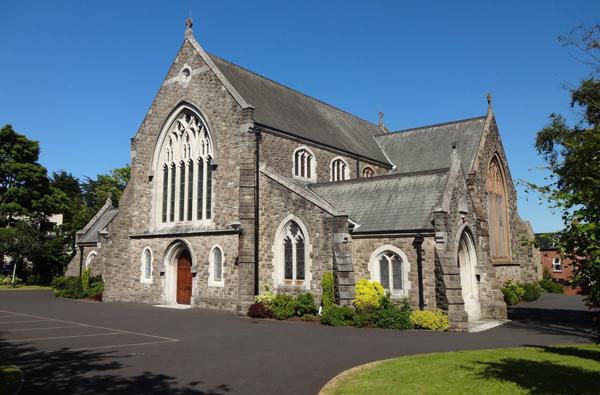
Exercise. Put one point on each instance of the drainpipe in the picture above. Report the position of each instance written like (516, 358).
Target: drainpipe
(80, 260)
(256, 208)
(418, 244)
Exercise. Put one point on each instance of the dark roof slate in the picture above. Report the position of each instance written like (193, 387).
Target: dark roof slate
(394, 203)
(292, 112)
(430, 147)
(547, 241)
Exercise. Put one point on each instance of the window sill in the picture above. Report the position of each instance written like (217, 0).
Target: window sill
(305, 179)
(144, 280)
(216, 284)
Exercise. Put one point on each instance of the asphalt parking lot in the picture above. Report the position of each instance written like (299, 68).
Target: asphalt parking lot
(79, 347)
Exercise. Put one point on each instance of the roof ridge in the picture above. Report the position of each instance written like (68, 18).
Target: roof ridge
(368, 179)
(434, 125)
(295, 91)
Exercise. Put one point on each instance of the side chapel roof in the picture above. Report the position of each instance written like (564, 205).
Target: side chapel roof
(91, 232)
(397, 202)
(430, 147)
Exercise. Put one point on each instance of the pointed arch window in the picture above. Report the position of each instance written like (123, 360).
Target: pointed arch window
(389, 266)
(216, 266)
(184, 166)
(390, 271)
(293, 252)
(339, 170)
(368, 172)
(304, 164)
(497, 211)
(146, 266)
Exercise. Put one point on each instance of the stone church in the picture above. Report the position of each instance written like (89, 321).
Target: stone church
(240, 183)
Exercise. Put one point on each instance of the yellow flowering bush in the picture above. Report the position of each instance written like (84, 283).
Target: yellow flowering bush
(430, 319)
(368, 295)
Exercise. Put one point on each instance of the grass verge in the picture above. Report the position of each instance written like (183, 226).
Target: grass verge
(524, 370)
(25, 288)
(10, 378)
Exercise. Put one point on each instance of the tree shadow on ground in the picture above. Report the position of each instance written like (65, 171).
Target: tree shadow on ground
(553, 321)
(542, 377)
(86, 372)
(592, 355)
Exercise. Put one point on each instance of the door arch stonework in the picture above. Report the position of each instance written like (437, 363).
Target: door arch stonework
(177, 274)
(467, 263)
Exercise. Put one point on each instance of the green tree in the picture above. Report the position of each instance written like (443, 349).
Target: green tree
(95, 192)
(27, 200)
(572, 155)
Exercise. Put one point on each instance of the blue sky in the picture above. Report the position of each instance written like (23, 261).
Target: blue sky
(79, 76)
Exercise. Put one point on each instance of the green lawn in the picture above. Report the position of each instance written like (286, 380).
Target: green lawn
(10, 378)
(25, 288)
(525, 370)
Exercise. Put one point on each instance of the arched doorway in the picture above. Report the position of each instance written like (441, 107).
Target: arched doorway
(184, 278)
(467, 262)
(177, 281)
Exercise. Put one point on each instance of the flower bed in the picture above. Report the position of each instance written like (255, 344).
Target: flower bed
(372, 308)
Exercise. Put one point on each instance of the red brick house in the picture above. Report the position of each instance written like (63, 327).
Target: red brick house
(560, 268)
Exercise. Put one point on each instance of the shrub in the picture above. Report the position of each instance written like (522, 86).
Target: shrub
(328, 297)
(362, 319)
(68, 287)
(368, 295)
(513, 293)
(337, 316)
(85, 279)
(284, 307)
(510, 296)
(550, 286)
(404, 304)
(259, 310)
(430, 319)
(309, 317)
(305, 304)
(532, 292)
(96, 287)
(390, 316)
(7, 280)
(266, 297)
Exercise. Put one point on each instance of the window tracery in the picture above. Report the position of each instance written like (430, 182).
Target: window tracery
(368, 172)
(497, 211)
(339, 170)
(304, 164)
(184, 169)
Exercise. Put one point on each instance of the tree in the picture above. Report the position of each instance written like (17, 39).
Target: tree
(27, 200)
(85, 199)
(95, 192)
(572, 155)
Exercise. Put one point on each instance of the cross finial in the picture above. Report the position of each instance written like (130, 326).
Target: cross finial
(189, 23)
(489, 100)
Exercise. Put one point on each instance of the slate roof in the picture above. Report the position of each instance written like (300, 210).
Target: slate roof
(292, 112)
(90, 234)
(430, 147)
(546, 241)
(398, 202)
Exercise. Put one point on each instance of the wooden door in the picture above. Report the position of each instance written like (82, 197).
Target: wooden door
(184, 279)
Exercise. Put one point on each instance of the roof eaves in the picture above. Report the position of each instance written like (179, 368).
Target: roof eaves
(387, 164)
